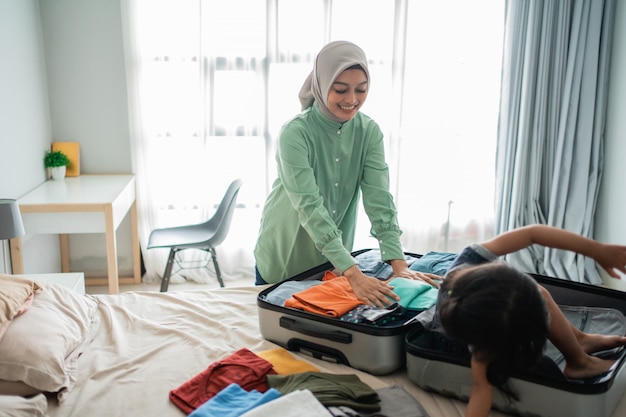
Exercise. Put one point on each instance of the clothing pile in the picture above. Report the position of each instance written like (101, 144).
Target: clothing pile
(274, 382)
(332, 296)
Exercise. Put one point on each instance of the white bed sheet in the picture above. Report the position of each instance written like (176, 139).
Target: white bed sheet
(150, 343)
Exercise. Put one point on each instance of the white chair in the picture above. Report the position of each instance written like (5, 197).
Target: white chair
(204, 236)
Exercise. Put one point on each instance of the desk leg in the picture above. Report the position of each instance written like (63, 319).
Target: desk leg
(64, 245)
(17, 260)
(114, 285)
(135, 242)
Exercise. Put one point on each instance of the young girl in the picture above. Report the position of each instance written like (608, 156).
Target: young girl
(505, 317)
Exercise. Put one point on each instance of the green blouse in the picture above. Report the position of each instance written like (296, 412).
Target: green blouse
(309, 216)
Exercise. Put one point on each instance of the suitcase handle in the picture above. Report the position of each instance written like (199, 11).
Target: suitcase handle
(310, 330)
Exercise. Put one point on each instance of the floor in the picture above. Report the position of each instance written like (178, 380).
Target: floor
(187, 286)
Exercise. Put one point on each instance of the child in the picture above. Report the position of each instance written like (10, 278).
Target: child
(505, 317)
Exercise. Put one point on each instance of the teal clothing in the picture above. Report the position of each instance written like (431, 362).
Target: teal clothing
(414, 294)
(310, 215)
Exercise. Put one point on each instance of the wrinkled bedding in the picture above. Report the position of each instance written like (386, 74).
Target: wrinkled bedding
(149, 343)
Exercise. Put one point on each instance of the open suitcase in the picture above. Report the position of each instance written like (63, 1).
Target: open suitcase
(543, 391)
(374, 349)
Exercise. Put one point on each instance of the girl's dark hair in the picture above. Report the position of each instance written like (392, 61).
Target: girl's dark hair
(501, 313)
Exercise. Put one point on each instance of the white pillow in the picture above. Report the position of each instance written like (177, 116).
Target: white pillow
(16, 406)
(16, 296)
(40, 348)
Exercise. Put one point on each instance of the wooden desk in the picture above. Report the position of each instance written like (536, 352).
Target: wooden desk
(83, 204)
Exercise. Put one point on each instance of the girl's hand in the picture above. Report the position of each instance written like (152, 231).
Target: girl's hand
(401, 269)
(481, 398)
(611, 258)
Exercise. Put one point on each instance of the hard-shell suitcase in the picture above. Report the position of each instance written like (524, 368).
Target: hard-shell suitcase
(374, 349)
(543, 391)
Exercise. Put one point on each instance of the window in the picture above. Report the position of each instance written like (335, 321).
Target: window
(215, 81)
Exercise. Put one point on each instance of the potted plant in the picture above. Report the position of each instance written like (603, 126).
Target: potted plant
(57, 161)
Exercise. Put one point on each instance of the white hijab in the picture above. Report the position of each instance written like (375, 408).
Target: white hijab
(332, 60)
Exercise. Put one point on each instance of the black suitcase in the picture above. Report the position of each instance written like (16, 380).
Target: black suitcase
(371, 348)
(543, 391)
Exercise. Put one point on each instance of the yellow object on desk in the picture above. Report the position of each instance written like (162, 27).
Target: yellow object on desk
(72, 151)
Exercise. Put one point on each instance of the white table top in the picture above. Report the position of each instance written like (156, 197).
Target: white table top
(84, 189)
(72, 280)
(83, 204)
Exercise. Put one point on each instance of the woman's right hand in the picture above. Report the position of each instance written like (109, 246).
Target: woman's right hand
(370, 290)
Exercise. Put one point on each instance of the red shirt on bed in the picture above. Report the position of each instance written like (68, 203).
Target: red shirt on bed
(243, 368)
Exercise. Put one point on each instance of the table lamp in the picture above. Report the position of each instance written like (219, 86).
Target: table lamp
(11, 225)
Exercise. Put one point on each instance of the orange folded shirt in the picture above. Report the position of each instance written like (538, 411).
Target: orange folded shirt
(333, 298)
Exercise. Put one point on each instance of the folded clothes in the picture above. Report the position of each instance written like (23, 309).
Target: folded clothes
(285, 290)
(436, 263)
(243, 367)
(370, 263)
(414, 294)
(397, 402)
(333, 298)
(233, 401)
(301, 403)
(284, 363)
(329, 389)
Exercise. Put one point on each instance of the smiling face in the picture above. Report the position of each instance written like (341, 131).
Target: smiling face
(347, 94)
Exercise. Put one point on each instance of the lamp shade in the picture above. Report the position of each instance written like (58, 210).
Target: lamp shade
(11, 225)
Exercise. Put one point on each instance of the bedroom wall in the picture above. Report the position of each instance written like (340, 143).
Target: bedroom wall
(62, 78)
(88, 104)
(610, 224)
(24, 111)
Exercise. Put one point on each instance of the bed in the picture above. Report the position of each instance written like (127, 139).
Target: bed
(122, 354)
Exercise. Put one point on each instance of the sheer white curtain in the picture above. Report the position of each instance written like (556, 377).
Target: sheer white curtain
(211, 83)
(446, 151)
(554, 98)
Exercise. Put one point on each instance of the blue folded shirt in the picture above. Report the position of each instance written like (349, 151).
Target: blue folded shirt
(233, 401)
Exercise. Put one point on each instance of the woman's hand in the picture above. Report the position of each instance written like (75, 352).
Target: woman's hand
(370, 290)
(401, 269)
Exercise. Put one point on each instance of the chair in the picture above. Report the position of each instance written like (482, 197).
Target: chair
(204, 236)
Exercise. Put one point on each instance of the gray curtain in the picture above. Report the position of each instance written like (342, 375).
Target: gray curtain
(551, 126)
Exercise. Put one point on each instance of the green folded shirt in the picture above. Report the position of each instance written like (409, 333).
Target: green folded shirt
(414, 294)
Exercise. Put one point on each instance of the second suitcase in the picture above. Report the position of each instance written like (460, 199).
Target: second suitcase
(543, 391)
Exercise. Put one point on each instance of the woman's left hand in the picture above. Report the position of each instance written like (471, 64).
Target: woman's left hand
(401, 269)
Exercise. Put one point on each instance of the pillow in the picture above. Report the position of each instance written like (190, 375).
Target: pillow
(17, 388)
(22, 309)
(16, 295)
(16, 406)
(41, 347)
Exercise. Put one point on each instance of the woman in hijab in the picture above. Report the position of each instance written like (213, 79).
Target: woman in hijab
(327, 156)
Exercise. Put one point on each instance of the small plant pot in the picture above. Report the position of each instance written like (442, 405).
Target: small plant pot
(57, 173)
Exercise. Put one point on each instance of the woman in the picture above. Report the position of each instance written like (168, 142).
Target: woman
(327, 156)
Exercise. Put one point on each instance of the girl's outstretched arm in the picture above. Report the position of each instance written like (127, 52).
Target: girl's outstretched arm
(610, 257)
(481, 397)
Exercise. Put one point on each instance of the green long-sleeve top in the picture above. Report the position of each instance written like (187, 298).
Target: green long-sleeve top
(310, 215)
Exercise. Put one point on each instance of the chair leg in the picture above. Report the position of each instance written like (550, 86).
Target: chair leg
(217, 267)
(165, 281)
